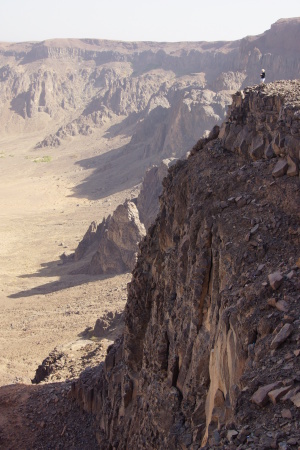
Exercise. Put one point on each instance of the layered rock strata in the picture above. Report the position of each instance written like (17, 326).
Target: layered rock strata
(206, 325)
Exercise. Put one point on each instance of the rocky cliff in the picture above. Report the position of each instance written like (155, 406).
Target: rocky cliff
(209, 357)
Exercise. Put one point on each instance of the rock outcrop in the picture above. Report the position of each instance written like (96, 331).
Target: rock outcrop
(207, 359)
(148, 198)
(264, 123)
(114, 242)
(98, 239)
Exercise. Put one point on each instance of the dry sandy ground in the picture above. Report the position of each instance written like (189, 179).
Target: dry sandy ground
(46, 207)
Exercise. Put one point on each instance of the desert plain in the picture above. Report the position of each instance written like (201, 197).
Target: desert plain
(48, 199)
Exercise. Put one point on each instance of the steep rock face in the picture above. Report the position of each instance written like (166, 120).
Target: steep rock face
(143, 214)
(257, 50)
(264, 122)
(148, 198)
(90, 240)
(116, 238)
(205, 321)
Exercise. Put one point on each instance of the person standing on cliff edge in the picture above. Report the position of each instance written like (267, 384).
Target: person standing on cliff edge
(262, 76)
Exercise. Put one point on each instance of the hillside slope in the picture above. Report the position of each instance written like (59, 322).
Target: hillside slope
(209, 355)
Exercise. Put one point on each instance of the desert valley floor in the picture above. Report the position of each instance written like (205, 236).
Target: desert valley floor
(48, 199)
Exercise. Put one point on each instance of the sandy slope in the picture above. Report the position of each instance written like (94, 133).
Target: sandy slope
(45, 209)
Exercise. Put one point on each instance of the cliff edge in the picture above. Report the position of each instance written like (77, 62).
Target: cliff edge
(210, 353)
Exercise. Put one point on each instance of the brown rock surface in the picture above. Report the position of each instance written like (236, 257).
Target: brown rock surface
(275, 280)
(151, 189)
(117, 240)
(296, 400)
(276, 394)
(260, 397)
(280, 169)
(198, 331)
(282, 335)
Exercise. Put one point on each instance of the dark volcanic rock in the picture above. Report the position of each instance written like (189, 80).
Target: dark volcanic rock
(199, 330)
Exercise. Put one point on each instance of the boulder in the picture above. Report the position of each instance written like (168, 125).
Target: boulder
(275, 280)
(260, 397)
(282, 336)
(280, 169)
(276, 394)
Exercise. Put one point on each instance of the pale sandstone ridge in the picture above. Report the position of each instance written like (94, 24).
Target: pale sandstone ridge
(209, 357)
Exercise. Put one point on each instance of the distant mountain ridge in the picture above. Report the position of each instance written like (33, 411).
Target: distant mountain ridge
(73, 87)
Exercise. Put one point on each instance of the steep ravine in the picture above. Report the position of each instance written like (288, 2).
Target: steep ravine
(207, 323)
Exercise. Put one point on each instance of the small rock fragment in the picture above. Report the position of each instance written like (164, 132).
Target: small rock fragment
(215, 438)
(292, 167)
(276, 394)
(290, 394)
(292, 441)
(223, 205)
(272, 302)
(296, 400)
(280, 169)
(291, 274)
(260, 397)
(254, 229)
(231, 434)
(286, 414)
(288, 356)
(282, 336)
(275, 280)
(269, 153)
(242, 202)
(281, 305)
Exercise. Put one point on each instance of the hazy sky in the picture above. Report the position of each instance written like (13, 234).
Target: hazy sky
(140, 20)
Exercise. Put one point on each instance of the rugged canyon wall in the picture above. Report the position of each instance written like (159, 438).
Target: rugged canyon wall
(163, 95)
(209, 354)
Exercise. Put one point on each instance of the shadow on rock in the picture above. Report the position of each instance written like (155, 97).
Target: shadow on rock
(43, 417)
(67, 280)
